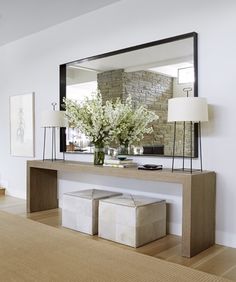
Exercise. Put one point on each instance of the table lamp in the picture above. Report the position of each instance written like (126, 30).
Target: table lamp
(51, 120)
(187, 109)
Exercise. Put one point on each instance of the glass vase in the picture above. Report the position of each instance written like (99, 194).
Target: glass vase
(123, 149)
(99, 155)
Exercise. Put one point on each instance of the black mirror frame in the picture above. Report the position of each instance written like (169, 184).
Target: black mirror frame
(62, 77)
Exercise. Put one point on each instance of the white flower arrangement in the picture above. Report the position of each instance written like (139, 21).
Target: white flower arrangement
(109, 122)
(92, 118)
(132, 123)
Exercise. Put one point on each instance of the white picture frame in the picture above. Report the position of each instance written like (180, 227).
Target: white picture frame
(22, 125)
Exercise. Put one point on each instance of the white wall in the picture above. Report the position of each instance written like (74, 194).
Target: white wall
(31, 64)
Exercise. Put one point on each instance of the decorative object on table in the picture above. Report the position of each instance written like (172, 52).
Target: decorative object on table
(70, 147)
(94, 119)
(22, 125)
(150, 167)
(132, 123)
(192, 110)
(99, 155)
(131, 219)
(109, 122)
(120, 163)
(122, 158)
(112, 152)
(123, 149)
(137, 150)
(52, 120)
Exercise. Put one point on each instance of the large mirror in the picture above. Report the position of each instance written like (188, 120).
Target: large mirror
(151, 73)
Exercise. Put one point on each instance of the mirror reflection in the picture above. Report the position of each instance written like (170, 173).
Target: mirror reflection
(151, 76)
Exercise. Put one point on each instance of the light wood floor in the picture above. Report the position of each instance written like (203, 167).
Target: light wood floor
(218, 260)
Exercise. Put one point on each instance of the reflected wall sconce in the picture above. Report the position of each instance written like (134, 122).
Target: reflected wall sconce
(192, 110)
(52, 120)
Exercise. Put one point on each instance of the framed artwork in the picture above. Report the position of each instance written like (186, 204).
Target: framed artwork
(22, 125)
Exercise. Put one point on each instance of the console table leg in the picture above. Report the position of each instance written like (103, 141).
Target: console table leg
(198, 226)
(41, 189)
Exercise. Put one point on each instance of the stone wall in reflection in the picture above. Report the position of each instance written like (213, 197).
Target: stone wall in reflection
(150, 89)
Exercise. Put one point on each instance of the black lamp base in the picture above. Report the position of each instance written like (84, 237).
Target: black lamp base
(190, 170)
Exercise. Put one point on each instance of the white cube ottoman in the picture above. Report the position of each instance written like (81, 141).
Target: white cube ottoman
(132, 220)
(80, 209)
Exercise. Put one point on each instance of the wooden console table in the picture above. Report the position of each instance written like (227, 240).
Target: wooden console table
(198, 207)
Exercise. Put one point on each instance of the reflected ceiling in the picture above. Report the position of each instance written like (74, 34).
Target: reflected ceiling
(173, 53)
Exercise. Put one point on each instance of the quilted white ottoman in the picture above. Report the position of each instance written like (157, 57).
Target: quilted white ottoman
(132, 220)
(80, 209)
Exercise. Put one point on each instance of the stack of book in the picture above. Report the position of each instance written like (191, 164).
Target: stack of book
(120, 163)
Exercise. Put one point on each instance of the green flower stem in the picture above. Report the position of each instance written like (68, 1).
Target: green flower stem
(99, 155)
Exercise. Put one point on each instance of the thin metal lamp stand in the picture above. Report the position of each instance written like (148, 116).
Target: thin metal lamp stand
(53, 144)
(52, 120)
(191, 148)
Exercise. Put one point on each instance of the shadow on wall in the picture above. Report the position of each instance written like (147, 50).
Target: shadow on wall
(216, 115)
(124, 183)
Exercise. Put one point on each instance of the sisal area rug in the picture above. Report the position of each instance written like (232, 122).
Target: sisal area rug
(31, 251)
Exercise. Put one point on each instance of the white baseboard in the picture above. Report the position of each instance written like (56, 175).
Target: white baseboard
(226, 239)
(174, 228)
(15, 194)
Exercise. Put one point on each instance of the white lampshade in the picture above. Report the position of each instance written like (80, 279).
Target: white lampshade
(53, 119)
(193, 109)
